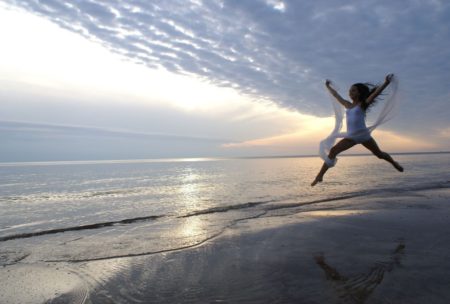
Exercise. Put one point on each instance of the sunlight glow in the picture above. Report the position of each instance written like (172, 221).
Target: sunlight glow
(313, 129)
(402, 143)
(309, 129)
(65, 62)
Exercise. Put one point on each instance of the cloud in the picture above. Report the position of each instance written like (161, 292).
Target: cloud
(280, 50)
(271, 50)
(22, 141)
(55, 130)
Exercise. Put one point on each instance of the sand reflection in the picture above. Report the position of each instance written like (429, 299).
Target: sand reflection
(357, 288)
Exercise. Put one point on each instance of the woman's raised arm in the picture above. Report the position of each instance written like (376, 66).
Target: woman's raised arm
(342, 101)
(380, 89)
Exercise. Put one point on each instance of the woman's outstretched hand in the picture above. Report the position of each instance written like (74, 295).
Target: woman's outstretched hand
(389, 78)
(328, 82)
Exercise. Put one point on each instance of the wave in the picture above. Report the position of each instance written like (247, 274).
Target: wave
(226, 208)
(49, 196)
(77, 228)
(323, 200)
(129, 221)
(220, 209)
(248, 205)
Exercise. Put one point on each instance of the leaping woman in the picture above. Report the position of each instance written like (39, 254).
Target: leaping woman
(363, 96)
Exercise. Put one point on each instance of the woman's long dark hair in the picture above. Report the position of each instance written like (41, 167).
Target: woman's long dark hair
(365, 89)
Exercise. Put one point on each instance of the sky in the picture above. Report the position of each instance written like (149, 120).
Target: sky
(134, 79)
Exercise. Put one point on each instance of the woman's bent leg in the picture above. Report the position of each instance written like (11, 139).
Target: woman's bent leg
(342, 145)
(371, 144)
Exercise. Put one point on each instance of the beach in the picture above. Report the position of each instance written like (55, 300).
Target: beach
(227, 151)
(384, 246)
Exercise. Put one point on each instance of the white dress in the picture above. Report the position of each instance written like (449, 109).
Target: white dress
(356, 125)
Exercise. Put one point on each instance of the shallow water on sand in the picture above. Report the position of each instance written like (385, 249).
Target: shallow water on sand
(180, 202)
(93, 213)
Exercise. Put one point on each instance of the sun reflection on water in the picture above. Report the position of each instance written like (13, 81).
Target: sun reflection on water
(336, 213)
(190, 194)
(192, 227)
(189, 189)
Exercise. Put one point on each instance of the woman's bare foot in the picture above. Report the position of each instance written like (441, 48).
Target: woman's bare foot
(397, 166)
(317, 180)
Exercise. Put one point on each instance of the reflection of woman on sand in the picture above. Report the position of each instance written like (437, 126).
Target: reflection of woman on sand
(357, 288)
(363, 96)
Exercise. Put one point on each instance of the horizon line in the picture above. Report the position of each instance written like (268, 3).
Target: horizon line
(186, 159)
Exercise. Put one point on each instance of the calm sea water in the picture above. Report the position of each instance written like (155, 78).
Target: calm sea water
(179, 202)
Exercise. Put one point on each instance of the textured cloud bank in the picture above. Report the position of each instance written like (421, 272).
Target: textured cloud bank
(278, 50)
(271, 50)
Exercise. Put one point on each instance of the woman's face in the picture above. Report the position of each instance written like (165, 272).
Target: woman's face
(353, 92)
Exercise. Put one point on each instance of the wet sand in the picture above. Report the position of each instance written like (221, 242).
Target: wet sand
(389, 248)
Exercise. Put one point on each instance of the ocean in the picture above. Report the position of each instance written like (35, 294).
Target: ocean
(69, 200)
(204, 230)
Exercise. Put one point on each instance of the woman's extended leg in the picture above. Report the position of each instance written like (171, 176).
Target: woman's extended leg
(371, 144)
(342, 145)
